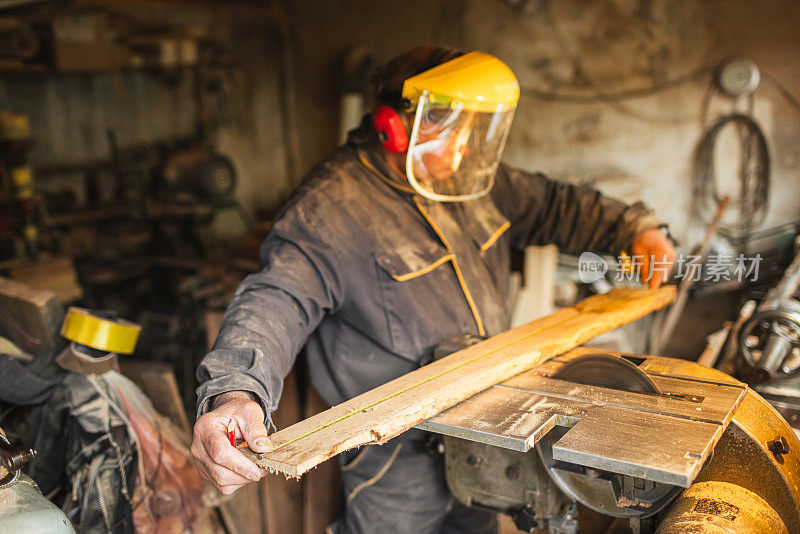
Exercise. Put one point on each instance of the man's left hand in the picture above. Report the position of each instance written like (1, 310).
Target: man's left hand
(657, 255)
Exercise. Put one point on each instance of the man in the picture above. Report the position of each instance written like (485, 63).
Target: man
(398, 241)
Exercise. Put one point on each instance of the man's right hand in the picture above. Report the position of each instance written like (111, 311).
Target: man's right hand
(216, 459)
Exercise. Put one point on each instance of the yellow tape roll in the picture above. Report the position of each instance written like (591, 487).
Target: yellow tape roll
(117, 336)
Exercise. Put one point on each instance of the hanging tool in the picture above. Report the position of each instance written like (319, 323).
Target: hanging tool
(676, 310)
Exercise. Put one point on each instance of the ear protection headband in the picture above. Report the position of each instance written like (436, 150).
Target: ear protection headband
(391, 129)
(390, 124)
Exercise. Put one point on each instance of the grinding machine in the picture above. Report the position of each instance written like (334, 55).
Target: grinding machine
(769, 346)
(665, 445)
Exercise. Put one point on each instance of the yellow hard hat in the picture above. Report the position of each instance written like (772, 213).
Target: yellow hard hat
(463, 113)
(478, 81)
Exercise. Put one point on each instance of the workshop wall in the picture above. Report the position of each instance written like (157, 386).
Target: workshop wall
(577, 50)
(72, 114)
(569, 55)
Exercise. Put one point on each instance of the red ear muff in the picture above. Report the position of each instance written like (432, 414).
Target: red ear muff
(391, 130)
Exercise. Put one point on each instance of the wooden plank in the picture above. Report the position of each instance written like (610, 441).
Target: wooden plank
(213, 321)
(157, 381)
(321, 485)
(388, 410)
(274, 505)
(54, 273)
(281, 498)
(30, 317)
(241, 513)
(715, 342)
(536, 297)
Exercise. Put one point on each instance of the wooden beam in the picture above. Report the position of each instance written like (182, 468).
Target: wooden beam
(281, 499)
(30, 317)
(389, 410)
(321, 486)
(157, 381)
(56, 273)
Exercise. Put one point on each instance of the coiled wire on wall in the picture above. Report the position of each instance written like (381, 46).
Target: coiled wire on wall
(754, 177)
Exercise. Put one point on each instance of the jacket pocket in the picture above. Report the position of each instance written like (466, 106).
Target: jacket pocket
(421, 298)
(406, 263)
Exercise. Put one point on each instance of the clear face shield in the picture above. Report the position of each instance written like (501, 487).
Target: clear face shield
(454, 151)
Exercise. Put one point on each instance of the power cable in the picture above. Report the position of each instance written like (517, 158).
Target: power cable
(782, 90)
(754, 174)
(600, 96)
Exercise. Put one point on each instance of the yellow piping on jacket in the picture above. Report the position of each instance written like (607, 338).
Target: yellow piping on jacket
(451, 257)
(424, 270)
(380, 175)
(457, 269)
(500, 231)
(377, 476)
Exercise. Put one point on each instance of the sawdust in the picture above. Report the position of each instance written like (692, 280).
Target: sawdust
(624, 502)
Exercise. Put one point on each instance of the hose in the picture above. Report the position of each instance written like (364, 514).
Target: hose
(754, 175)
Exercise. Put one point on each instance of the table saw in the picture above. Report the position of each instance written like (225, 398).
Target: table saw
(667, 444)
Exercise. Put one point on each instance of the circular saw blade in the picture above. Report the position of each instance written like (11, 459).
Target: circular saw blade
(608, 371)
(586, 485)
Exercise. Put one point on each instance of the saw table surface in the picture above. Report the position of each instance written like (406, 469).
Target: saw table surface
(664, 437)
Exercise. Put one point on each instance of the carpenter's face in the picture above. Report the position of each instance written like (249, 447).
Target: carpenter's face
(441, 145)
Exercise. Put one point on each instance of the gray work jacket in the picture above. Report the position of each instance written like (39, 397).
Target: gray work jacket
(371, 277)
